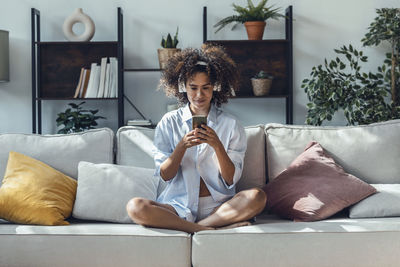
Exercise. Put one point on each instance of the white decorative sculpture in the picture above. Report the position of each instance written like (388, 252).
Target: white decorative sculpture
(75, 17)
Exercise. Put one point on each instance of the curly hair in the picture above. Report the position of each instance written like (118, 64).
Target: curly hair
(219, 67)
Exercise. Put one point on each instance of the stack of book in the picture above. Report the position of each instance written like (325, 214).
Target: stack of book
(139, 123)
(99, 81)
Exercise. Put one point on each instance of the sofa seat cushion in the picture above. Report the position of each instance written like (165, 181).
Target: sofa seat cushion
(338, 241)
(92, 243)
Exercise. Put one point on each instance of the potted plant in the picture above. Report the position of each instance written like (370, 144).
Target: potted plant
(76, 119)
(253, 17)
(168, 50)
(262, 83)
(341, 85)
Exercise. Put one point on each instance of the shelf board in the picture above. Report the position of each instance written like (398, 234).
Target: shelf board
(74, 43)
(143, 69)
(250, 41)
(264, 96)
(80, 99)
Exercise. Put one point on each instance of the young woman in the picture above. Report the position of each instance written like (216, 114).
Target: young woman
(200, 166)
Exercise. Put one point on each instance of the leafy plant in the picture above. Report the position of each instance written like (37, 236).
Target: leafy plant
(263, 75)
(363, 96)
(249, 13)
(169, 42)
(386, 27)
(76, 119)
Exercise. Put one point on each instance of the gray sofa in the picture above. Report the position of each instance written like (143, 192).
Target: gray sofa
(370, 152)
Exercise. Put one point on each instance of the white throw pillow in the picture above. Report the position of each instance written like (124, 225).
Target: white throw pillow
(385, 203)
(105, 189)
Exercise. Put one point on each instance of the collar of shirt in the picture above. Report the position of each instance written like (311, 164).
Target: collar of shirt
(212, 114)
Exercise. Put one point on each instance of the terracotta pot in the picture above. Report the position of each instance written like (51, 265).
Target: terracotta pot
(255, 29)
(261, 86)
(164, 54)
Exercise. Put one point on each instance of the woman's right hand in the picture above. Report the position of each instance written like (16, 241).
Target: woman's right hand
(170, 166)
(190, 140)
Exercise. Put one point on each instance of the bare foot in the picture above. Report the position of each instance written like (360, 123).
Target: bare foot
(233, 225)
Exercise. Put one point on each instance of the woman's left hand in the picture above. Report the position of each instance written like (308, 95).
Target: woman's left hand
(207, 135)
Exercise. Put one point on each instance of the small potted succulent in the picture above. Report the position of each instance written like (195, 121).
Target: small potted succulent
(76, 119)
(253, 17)
(262, 83)
(168, 49)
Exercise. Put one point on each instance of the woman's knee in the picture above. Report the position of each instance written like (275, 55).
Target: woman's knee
(257, 197)
(137, 208)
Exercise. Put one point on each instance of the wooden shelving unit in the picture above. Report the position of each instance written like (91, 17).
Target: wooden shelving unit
(273, 56)
(56, 68)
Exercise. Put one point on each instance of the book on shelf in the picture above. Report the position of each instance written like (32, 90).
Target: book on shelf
(107, 82)
(139, 123)
(78, 87)
(114, 77)
(103, 66)
(100, 81)
(84, 84)
(94, 80)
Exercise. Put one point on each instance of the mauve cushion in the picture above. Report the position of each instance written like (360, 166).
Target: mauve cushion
(314, 187)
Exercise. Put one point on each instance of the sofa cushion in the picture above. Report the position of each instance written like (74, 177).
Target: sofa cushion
(272, 241)
(135, 144)
(314, 187)
(61, 151)
(385, 203)
(105, 189)
(34, 193)
(92, 243)
(370, 152)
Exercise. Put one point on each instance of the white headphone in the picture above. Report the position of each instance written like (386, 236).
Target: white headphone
(217, 86)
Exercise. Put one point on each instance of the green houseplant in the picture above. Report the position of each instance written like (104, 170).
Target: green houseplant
(77, 119)
(340, 84)
(168, 48)
(261, 83)
(252, 16)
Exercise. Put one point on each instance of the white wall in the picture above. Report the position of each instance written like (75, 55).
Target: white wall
(319, 27)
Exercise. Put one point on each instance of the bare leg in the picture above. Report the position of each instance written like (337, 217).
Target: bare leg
(243, 206)
(150, 213)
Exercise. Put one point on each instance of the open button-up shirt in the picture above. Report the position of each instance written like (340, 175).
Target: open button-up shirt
(182, 191)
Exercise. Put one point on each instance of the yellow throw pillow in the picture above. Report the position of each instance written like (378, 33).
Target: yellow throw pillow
(35, 193)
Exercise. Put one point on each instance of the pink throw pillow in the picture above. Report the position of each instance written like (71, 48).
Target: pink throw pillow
(314, 187)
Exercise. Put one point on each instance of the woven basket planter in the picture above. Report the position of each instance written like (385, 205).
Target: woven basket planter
(261, 87)
(164, 54)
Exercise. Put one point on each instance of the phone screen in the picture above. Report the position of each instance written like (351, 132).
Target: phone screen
(198, 120)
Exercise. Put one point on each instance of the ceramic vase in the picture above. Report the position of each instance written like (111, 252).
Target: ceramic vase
(75, 17)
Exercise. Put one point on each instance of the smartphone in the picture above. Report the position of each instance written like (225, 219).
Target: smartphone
(198, 120)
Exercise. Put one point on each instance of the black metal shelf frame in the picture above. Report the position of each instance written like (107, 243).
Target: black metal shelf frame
(289, 58)
(36, 72)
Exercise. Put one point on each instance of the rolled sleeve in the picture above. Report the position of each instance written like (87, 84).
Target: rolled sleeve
(236, 151)
(162, 146)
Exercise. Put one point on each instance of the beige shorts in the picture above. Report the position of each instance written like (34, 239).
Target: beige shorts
(206, 207)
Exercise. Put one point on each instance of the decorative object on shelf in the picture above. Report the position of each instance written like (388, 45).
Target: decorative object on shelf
(362, 96)
(169, 49)
(77, 119)
(4, 57)
(139, 123)
(253, 17)
(76, 17)
(262, 83)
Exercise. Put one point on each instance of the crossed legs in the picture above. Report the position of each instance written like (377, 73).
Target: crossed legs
(243, 206)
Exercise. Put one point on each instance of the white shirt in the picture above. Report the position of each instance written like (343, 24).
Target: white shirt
(182, 191)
